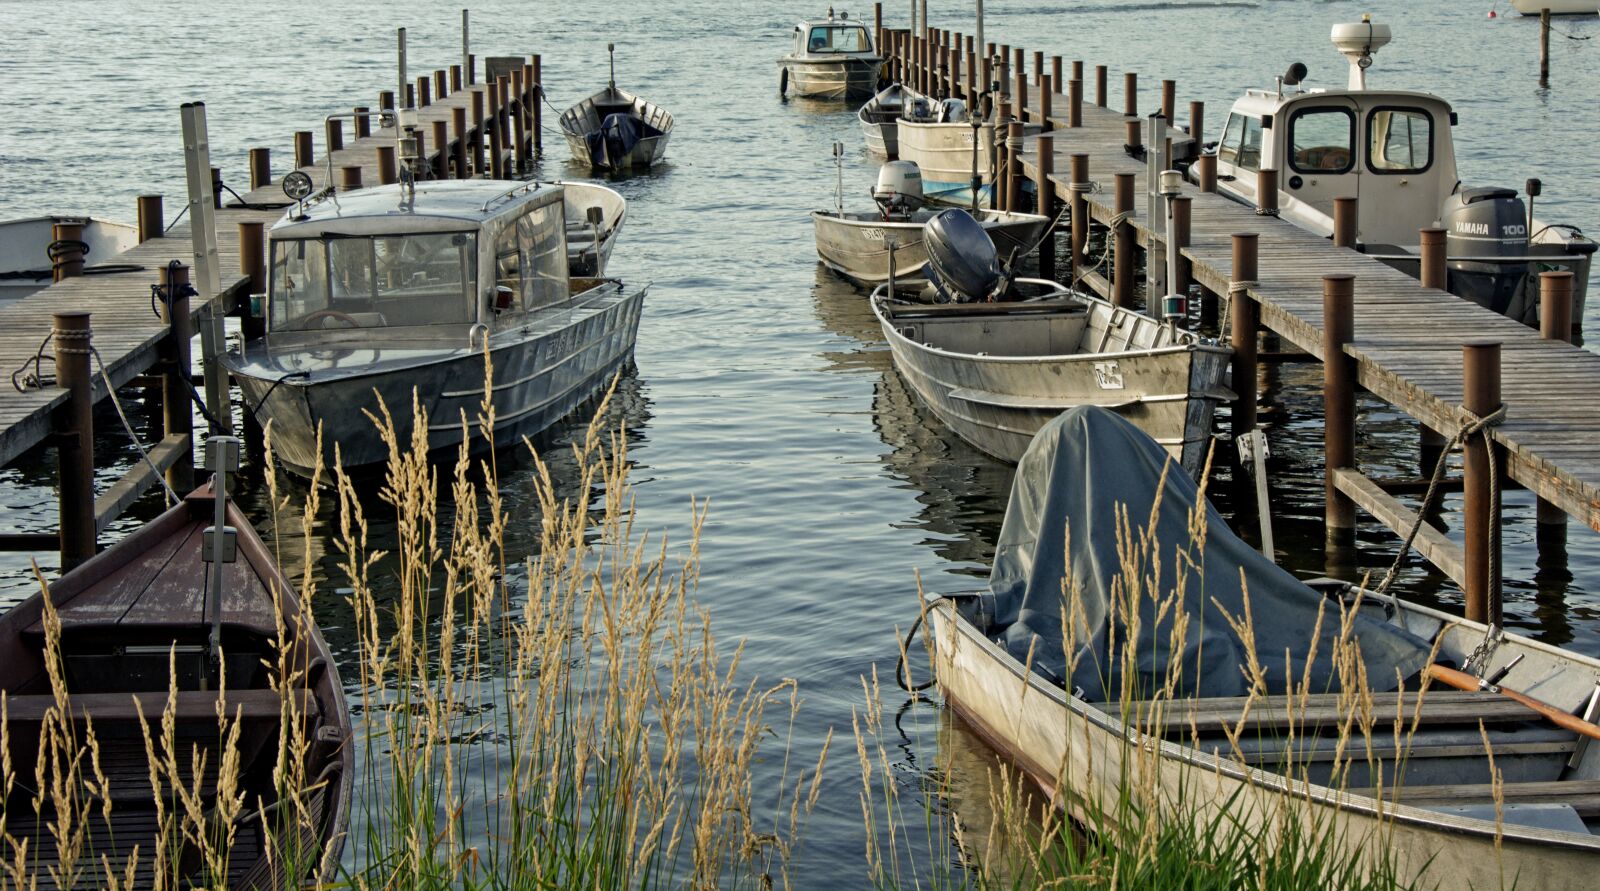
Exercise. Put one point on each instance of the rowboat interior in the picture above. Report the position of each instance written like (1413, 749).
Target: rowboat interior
(1063, 325)
(125, 616)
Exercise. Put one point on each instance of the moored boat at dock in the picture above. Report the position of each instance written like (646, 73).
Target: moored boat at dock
(879, 118)
(833, 58)
(615, 130)
(594, 215)
(30, 249)
(1490, 786)
(156, 626)
(1393, 152)
(391, 291)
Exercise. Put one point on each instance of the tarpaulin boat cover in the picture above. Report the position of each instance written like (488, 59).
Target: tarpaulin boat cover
(1076, 472)
(618, 134)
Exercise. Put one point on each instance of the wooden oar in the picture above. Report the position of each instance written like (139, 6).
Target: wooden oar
(1463, 681)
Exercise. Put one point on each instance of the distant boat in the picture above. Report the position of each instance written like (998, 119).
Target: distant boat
(151, 598)
(1473, 788)
(395, 291)
(879, 119)
(25, 259)
(614, 130)
(1557, 7)
(833, 58)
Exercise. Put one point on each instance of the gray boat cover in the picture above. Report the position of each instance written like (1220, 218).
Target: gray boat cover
(1077, 472)
(618, 134)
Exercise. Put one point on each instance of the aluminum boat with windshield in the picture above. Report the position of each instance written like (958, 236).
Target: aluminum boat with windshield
(394, 294)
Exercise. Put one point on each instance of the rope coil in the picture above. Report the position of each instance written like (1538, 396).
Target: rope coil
(1243, 284)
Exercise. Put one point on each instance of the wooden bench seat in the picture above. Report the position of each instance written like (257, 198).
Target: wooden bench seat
(192, 705)
(1321, 711)
(1582, 796)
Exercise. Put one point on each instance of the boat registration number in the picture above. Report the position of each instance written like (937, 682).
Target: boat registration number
(1107, 376)
(873, 235)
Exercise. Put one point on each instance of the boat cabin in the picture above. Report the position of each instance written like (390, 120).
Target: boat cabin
(442, 259)
(1391, 149)
(832, 36)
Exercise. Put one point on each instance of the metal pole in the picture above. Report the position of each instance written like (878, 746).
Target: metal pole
(1246, 318)
(1544, 47)
(402, 82)
(1338, 401)
(1480, 365)
(466, 47)
(75, 449)
(978, 38)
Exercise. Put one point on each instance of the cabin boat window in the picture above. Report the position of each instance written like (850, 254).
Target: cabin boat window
(838, 39)
(542, 234)
(508, 296)
(1322, 140)
(1241, 142)
(372, 282)
(1400, 140)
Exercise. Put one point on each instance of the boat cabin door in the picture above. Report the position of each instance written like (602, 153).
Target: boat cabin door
(1319, 153)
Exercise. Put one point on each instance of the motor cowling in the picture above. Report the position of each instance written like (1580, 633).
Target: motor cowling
(963, 263)
(952, 111)
(1490, 223)
(899, 188)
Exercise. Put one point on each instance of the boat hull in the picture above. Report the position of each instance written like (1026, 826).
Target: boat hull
(646, 153)
(858, 248)
(988, 391)
(832, 78)
(1078, 753)
(943, 153)
(880, 122)
(567, 359)
(589, 115)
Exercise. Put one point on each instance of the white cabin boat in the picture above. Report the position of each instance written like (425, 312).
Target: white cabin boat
(1392, 151)
(25, 259)
(1557, 7)
(400, 292)
(833, 58)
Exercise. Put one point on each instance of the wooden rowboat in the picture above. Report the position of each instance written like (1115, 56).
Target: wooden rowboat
(123, 615)
(1427, 796)
(995, 373)
(615, 130)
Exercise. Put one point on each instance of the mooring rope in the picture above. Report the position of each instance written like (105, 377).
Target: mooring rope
(902, 675)
(1480, 425)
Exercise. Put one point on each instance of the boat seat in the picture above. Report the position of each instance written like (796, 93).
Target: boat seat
(1322, 712)
(1582, 796)
(192, 705)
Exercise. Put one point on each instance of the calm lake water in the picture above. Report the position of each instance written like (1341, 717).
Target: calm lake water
(762, 382)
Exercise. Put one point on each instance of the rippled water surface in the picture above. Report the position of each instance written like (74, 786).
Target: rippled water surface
(762, 382)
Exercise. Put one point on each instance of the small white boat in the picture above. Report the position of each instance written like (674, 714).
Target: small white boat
(26, 259)
(833, 58)
(1478, 789)
(856, 245)
(1393, 151)
(879, 119)
(399, 291)
(1557, 7)
(584, 202)
(615, 130)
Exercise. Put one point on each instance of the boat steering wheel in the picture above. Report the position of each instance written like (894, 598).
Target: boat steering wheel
(320, 314)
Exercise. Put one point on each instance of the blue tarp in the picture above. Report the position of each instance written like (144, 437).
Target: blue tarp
(618, 134)
(1083, 490)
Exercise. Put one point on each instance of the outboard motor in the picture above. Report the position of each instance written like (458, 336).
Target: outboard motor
(1487, 222)
(963, 263)
(899, 189)
(952, 111)
(921, 109)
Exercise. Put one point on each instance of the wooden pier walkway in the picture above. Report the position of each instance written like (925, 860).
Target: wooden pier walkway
(131, 339)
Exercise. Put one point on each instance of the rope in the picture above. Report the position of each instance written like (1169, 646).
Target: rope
(1475, 425)
(22, 380)
(1105, 248)
(902, 676)
(172, 497)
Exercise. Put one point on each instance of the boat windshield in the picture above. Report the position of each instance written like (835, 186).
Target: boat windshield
(838, 39)
(384, 281)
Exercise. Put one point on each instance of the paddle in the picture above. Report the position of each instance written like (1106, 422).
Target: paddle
(1463, 681)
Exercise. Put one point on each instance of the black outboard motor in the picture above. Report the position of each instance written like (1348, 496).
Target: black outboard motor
(1487, 222)
(963, 263)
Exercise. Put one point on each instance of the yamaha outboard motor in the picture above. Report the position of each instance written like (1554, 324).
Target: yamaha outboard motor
(1488, 223)
(962, 260)
(899, 189)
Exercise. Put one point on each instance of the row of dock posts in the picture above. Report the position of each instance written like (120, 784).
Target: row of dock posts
(504, 138)
(940, 62)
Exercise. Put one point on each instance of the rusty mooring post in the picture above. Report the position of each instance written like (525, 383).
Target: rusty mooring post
(151, 224)
(253, 265)
(1075, 103)
(1014, 166)
(1134, 134)
(1078, 183)
(455, 78)
(75, 436)
(176, 413)
(1100, 86)
(349, 177)
(302, 149)
(1344, 222)
(1197, 125)
(1046, 87)
(67, 250)
(335, 131)
(1130, 94)
(387, 173)
(1434, 274)
(1246, 318)
(1480, 367)
(458, 130)
(260, 168)
(1338, 401)
(478, 135)
(1045, 193)
(363, 123)
(1206, 172)
(1122, 245)
(1169, 101)
(1180, 240)
(1555, 323)
(1267, 192)
(441, 149)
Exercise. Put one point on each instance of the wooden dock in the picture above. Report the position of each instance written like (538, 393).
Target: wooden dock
(491, 128)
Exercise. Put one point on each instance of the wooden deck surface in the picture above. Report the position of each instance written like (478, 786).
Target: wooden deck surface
(1408, 338)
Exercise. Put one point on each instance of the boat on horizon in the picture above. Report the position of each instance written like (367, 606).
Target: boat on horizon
(833, 58)
(399, 290)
